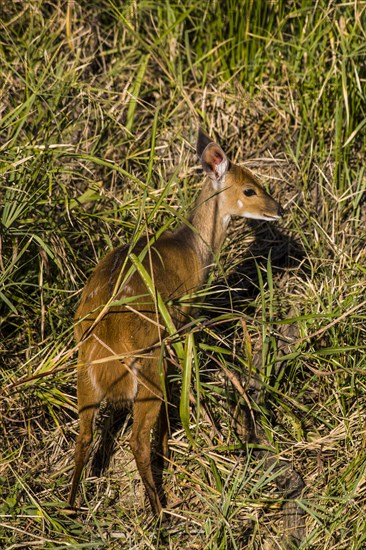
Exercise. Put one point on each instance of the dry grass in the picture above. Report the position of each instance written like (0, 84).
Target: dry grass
(98, 124)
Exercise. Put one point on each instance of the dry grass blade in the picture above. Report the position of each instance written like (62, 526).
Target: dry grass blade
(98, 114)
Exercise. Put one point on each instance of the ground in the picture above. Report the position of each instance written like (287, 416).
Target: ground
(100, 106)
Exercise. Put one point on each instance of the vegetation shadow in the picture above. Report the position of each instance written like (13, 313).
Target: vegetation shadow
(285, 252)
(245, 282)
(112, 421)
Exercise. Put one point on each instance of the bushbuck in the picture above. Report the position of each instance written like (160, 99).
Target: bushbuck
(118, 327)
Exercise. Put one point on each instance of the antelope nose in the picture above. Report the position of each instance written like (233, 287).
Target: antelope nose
(281, 211)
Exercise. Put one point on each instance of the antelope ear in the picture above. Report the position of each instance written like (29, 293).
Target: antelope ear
(202, 141)
(214, 161)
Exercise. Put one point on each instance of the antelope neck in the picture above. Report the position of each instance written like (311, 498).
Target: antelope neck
(208, 223)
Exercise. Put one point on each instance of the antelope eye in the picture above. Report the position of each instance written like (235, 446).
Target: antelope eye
(249, 192)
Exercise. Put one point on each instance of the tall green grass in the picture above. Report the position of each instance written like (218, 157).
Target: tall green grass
(99, 112)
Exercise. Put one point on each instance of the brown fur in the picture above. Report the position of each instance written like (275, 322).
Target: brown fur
(119, 344)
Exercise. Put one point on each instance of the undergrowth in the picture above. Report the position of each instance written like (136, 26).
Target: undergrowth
(100, 105)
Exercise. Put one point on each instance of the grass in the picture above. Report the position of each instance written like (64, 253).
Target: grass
(100, 105)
